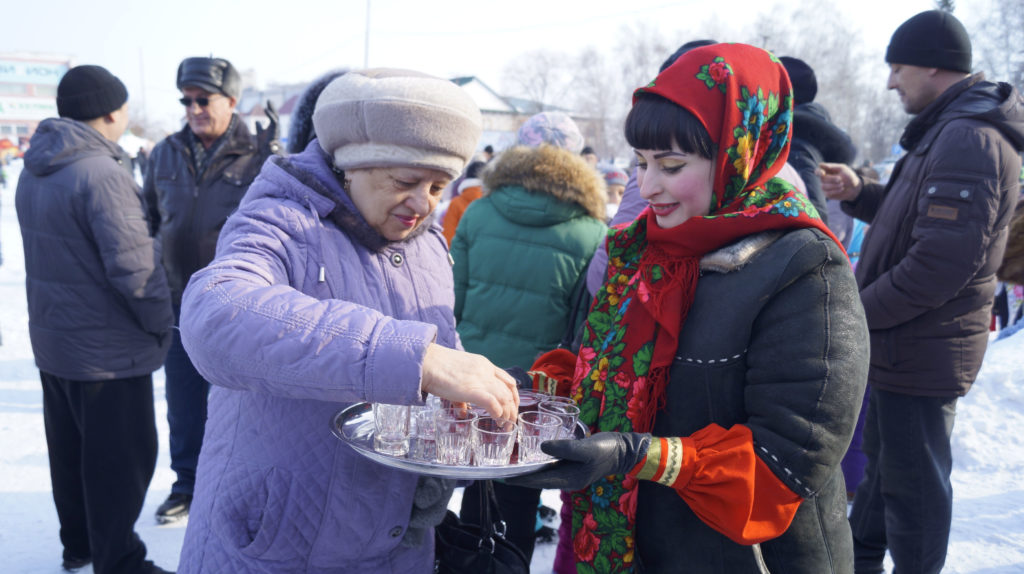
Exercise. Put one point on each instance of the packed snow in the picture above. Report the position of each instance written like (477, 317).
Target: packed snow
(988, 450)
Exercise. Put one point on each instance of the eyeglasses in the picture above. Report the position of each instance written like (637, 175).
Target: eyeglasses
(203, 101)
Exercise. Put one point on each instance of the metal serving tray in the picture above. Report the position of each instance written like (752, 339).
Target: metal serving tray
(354, 426)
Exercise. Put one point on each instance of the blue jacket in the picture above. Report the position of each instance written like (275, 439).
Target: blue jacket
(98, 303)
(305, 310)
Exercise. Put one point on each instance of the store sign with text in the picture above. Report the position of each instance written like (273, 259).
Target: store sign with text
(29, 72)
(27, 108)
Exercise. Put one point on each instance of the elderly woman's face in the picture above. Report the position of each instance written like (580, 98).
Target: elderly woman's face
(396, 200)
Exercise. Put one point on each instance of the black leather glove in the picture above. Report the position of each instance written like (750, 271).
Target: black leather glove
(523, 380)
(585, 461)
(266, 138)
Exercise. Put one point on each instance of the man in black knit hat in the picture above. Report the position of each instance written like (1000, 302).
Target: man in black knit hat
(926, 277)
(99, 320)
(195, 178)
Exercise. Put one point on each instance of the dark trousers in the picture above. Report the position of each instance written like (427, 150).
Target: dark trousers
(102, 444)
(518, 506)
(186, 391)
(905, 502)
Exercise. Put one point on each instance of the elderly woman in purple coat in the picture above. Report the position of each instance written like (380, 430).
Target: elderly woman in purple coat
(332, 285)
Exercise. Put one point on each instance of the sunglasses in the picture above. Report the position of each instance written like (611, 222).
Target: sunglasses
(203, 101)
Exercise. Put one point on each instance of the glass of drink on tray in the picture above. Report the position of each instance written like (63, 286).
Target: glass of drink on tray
(391, 423)
(528, 400)
(492, 441)
(568, 412)
(425, 445)
(452, 429)
(536, 427)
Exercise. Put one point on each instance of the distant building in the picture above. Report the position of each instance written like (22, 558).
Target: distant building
(284, 97)
(502, 115)
(28, 92)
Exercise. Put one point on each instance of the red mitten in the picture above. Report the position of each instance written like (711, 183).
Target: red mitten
(552, 372)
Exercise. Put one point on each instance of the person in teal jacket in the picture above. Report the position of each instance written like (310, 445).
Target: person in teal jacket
(519, 252)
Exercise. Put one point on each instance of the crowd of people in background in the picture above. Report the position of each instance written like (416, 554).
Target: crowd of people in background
(800, 327)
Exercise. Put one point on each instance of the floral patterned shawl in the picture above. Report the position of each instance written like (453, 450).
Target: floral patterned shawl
(742, 96)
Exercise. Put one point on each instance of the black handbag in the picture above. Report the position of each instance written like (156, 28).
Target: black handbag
(461, 548)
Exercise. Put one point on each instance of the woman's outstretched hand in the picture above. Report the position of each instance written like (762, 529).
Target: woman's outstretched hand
(470, 378)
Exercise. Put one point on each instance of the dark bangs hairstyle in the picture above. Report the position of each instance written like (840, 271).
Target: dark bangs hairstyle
(655, 123)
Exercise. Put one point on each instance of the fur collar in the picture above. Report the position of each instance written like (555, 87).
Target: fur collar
(551, 170)
(734, 256)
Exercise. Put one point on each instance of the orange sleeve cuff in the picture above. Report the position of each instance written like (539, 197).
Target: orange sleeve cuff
(728, 486)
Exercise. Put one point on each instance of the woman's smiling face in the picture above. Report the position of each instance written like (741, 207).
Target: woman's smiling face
(677, 184)
(396, 200)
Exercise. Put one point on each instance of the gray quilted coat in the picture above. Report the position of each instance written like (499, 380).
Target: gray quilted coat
(98, 303)
(304, 311)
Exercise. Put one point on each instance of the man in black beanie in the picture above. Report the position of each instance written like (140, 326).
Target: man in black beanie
(195, 178)
(927, 277)
(99, 320)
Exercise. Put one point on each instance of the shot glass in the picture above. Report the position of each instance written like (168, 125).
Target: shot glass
(568, 412)
(392, 425)
(452, 427)
(528, 400)
(536, 427)
(424, 447)
(433, 402)
(492, 441)
(559, 399)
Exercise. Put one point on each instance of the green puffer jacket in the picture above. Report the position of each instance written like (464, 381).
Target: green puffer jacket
(521, 249)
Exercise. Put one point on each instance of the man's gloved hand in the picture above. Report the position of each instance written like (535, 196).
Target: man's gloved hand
(585, 461)
(266, 138)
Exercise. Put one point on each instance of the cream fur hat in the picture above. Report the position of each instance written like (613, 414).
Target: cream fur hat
(387, 117)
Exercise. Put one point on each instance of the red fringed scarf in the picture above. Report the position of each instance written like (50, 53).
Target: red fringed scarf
(742, 96)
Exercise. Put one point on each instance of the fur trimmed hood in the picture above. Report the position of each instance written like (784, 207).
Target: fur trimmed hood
(551, 170)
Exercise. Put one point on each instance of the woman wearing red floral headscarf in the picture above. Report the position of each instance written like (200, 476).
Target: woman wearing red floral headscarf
(724, 360)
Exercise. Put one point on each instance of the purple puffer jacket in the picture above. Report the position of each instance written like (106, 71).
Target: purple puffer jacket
(304, 311)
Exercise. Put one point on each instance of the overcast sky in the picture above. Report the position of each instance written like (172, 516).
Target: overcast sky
(143, 42)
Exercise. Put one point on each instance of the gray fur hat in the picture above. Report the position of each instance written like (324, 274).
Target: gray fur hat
(387, 117)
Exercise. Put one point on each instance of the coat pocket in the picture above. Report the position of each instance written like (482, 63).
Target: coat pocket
(946, 202)
(251, 511)
(366, 513)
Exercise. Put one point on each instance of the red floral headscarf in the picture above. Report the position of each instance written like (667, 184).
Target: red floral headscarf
(742, 96)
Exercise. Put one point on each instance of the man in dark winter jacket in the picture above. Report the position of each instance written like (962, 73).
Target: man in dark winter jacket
(926, 275)
(815, 138)
(195, 178)
(99, 320)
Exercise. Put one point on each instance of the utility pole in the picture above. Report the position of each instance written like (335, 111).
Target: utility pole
(366, 38)
(142, 83)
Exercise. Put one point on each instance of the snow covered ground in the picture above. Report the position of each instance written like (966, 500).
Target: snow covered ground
(988, 474)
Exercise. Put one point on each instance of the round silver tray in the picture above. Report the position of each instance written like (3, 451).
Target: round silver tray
(354, 426)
